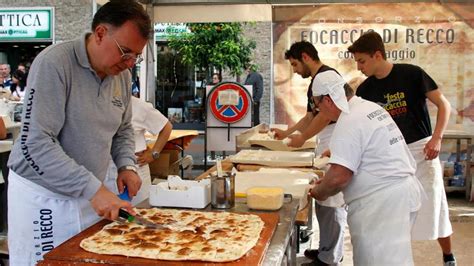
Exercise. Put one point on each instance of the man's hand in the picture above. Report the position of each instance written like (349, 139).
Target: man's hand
(334, 181)
(296, 140)
(279, 134)
(107, 204)
(432, 148)
(131, 180)
(315, 181)
(144, 157)
(313, 191)
(326, 153)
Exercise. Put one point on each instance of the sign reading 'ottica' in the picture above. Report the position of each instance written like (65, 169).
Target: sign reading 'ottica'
(164, 30)
(26, 24)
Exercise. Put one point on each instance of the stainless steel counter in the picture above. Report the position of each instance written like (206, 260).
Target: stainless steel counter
(284, 239)
(282, 243)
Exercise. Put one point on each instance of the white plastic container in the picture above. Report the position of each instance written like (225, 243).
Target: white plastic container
(265, 198)
(181, 193)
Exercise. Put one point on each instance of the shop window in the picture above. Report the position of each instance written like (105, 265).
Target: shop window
(178, 95)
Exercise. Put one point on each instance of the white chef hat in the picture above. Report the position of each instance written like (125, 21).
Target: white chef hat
(332, 84)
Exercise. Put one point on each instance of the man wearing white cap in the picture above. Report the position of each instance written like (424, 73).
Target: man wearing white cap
(372, 166)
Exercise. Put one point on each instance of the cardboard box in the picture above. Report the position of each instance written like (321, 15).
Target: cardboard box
(166, 164)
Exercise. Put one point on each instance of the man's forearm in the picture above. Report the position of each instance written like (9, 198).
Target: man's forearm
(325, 190)
(163, 137)
(442, 119)
(317, 124)
(300, 126)
(335, 180)
(444, 109)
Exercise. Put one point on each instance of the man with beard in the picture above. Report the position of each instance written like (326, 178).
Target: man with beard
(331, 213)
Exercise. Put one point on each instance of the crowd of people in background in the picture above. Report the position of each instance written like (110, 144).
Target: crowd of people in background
(13, 85)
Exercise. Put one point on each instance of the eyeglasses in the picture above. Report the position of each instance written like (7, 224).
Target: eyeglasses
(129, 56)
(317, 102)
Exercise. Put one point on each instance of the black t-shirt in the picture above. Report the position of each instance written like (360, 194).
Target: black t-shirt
(402, 94)
(310, 105)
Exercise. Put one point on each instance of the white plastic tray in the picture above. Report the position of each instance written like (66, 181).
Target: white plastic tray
(193, 194)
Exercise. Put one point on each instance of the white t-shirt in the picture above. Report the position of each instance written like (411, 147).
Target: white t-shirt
(368, 142)
(324, 137)
(18, 93)
(145, 118)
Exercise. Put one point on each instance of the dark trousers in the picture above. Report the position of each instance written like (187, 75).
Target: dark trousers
(256, 113)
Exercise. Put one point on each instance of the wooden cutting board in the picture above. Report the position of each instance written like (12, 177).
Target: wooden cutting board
(274, 158)
(255, 167)
(280, 145)
(71, 253)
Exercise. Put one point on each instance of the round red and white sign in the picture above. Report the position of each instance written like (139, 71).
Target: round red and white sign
(229, 113)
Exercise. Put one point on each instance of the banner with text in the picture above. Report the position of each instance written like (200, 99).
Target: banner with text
(29, 24)
(164, 30)
(437, 37)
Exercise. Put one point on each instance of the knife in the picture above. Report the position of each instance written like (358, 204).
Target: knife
(139, 220)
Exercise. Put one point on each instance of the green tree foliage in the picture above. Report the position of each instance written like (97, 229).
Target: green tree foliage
(214, 45)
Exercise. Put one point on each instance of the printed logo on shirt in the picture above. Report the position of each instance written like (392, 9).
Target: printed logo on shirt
(396, 139)
(395, 104)
(43, 232)
(380, 114)
(117, 96)
(25, 128)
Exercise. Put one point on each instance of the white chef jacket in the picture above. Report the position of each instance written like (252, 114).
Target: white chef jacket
(145, 118)
(368, 142)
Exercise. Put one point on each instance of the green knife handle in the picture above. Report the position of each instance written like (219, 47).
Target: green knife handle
(127, 216)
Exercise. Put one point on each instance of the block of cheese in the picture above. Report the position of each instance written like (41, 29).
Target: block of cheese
(265, 198)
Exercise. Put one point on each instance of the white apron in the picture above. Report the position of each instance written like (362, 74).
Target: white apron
(380, 224)
(432, 221)
(39, 220)
(143, 173)
(322, 141)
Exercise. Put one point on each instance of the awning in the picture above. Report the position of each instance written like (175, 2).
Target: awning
(212, 13)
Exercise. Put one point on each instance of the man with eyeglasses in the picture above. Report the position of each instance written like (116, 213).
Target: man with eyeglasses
(372, 165)
(77, 113)
(330, 213)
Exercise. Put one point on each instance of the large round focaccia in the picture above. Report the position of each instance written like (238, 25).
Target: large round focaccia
(190, 235)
